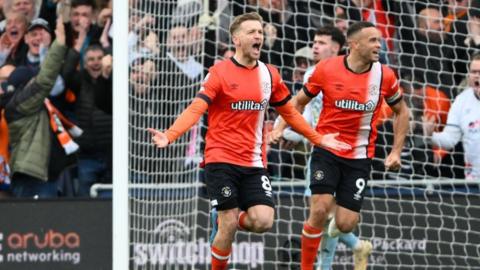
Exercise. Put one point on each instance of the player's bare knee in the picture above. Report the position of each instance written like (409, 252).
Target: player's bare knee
(262, 224)
(228, 224)
(319, 209)
(319, 212)
(347, 225)
(261, 217)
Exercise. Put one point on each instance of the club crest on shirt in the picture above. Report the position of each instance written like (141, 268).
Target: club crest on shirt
(318, 175)
(266, 87)
(226, 192)
(373, 89)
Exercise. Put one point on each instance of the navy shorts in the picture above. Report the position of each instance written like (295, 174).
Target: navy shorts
(345, 178)
(231, 186)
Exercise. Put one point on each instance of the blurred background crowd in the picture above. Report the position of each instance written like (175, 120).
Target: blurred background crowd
(55, 98)
(430, 44)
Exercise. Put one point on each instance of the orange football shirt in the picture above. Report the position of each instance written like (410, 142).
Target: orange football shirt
(238, 98)
(352, 102)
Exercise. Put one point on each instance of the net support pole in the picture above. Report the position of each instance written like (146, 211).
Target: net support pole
(120, 137)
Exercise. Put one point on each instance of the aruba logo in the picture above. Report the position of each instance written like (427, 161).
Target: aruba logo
(51, 239)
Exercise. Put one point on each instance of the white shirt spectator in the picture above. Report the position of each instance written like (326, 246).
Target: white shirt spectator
(463, 123)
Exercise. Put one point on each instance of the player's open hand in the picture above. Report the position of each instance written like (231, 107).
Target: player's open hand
(329, 140)
(158, 138)
(274, 136)
(392, 162)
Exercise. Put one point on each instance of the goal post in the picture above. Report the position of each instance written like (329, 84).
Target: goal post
(120, 205)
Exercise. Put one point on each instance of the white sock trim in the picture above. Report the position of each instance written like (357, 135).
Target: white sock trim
(222, 258)
(311, 235)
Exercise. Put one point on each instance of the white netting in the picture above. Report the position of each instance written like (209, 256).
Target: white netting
(160, 88)
(420, 221)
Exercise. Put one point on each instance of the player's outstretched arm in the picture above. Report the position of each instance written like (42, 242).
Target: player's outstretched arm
(184, 122)
(299, 101)
(400, 130)
(298, 123)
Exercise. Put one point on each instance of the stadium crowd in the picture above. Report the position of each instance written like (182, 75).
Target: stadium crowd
(430, 44)
(56, 88)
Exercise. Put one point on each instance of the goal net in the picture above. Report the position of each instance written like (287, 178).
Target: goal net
(425, 216)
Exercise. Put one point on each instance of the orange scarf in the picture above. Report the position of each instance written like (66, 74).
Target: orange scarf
(58, 122)
(4, 151)
(448, 21)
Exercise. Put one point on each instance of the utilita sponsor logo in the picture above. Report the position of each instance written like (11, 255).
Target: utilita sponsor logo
(249, 105)
(355, 105)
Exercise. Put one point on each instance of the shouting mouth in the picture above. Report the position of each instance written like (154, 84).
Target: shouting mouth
(256, 47)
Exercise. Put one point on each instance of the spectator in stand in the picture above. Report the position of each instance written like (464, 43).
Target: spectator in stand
(5, 71)
(144, 108)
(179, 58)
(376, 12)
(26, 7)
(467, 40)
(38, 39)
(427, 57)
(49, 10)
(419, 160)
(142, 75)
(179, 77)
(105, 14)
(82, 23)
(463, 123)
(225, 54)
(455, 21)
(303, 58)
(187, 13)
(285, 30)
(40, 136)
(105, 20)
(12, 45)
(341, 23)
(95, 155)
(142, 41)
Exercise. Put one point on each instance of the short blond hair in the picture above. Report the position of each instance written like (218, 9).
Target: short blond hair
(252, 16)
